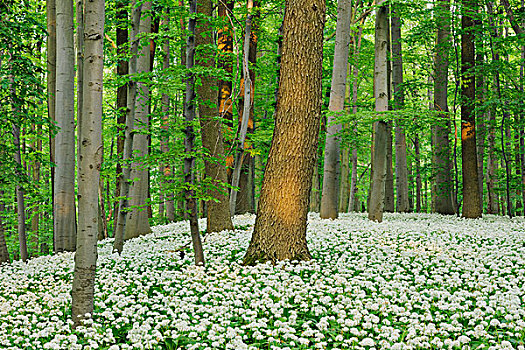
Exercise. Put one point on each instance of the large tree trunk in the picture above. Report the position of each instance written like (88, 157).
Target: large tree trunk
(90, 162)
(218, 213)
(118, 244)
(189, 148)
(480, 113)
(137, 222)
(441, 156)
(471, 198)
(64, 182)
(51, 90)
(399, 100)
(379, 146)
(122, 94)
(280, 226)
(389, 180)
(330, 195)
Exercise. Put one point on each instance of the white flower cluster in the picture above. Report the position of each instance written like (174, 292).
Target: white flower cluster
(415, 281)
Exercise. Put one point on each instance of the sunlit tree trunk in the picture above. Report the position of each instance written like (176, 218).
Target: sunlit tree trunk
(90, 162)
(330, 195)
(64, 203)
(137, 222)
(399, 100)
(379, 146)
(280, 226)
(218, 212)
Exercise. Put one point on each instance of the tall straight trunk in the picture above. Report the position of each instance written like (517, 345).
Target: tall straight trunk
(218, 209)
(344, 189)
(480, 114)
(79, 12)
(64, 182)
(20, 200)
(389, 180)
(355, 71)
(471, 197)
(330, 195)
(90, 162)
(418, 172)
(189, 148)
(137, 222)
(399, 100)
(315, 202)
(246, 196)
(379, 146)
(442, 165)
(522, 121)
(36, 172)
(118, 244)
(243, 127)
(280, 226)
(122, 94)
(492, 166)
(51, 89)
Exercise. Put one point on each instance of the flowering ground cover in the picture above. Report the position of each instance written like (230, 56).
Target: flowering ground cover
(415, 281)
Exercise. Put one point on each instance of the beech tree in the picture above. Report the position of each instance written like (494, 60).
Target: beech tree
(330, 194)
(280, 226)
(90, 162)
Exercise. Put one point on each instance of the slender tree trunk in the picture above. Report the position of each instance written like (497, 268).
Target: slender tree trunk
(64, 202)
(522, 121)
(353, 181)
(330, 195)
(315, 203)
(137, 222)
(480, 113)
(20, 200)
(418, 173)
(399, 100)
(90, 162)
(280, 226)
(189, 117)
(36, 170)
(122, 95)
(389, 180)
(379, 147)
(79, 12)
(51, 90)
(118, 244)
(492, 166)
(442, 165)
(218, 213)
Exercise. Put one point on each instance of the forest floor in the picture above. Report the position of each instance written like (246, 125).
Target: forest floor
(414, 281)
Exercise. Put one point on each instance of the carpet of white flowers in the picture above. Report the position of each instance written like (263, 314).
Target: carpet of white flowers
(415, 281)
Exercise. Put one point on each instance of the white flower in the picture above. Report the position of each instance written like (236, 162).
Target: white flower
(367, 342)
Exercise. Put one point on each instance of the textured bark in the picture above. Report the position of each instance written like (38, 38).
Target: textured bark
(471, 197)
(280, 226)
(442, 165)
(330, 194)
(122, 94)
(118, 244)
(402, 205)
(189, 138)
(51, 89)
(137, 222)
(90, 161)
(379, 146)
(64, 182)
(218, 213)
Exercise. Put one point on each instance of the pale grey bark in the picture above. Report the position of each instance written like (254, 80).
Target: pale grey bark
(402, 205)
(137, 222)
(243, 128)
(330, 194)
(379, 151)
(90, 161)
(51, 88)
(118, 244)
(64, 181)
